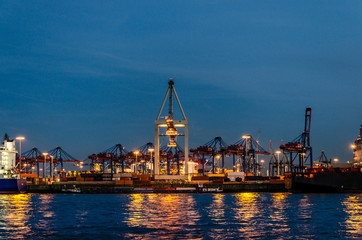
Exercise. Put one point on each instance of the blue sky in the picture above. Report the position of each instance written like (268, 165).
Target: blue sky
(86, 75)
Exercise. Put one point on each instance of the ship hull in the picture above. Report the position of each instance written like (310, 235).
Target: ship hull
(13, 185)
(325, 182)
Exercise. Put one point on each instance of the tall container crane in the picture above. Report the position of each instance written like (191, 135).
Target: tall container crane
(300, 150)
(171, 126)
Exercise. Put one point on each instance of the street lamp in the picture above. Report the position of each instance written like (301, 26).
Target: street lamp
(262, 166)
(335, 160)
(151, 150)
(20, 139)
(217, 161)
(44, 164)
(51, 166)
(278, 152)
(135, 164)
(246, 137)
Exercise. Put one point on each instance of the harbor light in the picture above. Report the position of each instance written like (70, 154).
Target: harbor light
(20, 139)
(44, 163)
(278, 152)
(135, 164)
(151, 150)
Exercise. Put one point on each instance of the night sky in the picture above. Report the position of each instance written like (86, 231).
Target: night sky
(86, 75)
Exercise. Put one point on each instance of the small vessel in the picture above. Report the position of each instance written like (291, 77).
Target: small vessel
(10, 181)
(203, 189)
(71, 190)
(341, 177)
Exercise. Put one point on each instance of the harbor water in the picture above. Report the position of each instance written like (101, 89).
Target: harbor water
(181, 216)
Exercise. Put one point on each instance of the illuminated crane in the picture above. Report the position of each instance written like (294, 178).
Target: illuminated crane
(171, 126)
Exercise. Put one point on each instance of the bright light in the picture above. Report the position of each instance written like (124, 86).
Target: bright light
(353, 146)
(262, 161)
(246, 136)
(136, 152)
(335, 160)
(20, 138)
(45, 154)
(218, 156)
(151, 149)
(278, 152)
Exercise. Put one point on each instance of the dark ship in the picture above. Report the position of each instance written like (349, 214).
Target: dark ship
(329, 176)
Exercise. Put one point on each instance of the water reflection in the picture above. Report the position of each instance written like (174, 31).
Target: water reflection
(216, 210)
(278, 216)
(246, 212)
(14, 217)
(353, 208)
(46, 215)
(165, 213)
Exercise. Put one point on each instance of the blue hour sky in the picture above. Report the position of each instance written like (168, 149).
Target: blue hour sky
(86, 75)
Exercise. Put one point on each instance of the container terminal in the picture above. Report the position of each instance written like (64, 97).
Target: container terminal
(175, 167)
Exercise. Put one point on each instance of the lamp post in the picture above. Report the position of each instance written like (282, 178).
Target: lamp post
(246, 137)
(44, 165)
(51, 166)
(151, 150)
(262, 165)
(135, 164)
(278, 152)
(20, 139)
(217, 161)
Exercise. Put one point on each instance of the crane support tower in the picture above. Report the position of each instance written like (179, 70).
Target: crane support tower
(171, 126)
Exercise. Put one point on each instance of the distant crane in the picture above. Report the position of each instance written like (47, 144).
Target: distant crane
(60, 156)
(214, 148)
(245, 151)
(277, 165)
(146, 152)
(110, 157)
(32, 158)
(171, 156)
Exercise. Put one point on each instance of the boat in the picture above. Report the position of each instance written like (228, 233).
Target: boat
(330, 177)
(206, 189)
(71, 190)
(10, 181)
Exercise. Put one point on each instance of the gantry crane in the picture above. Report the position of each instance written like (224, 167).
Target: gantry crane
(214, 148)
(171, 126)
(110, 158)
(31, 158)
(300, 149)
(244, 152)
(171, 156)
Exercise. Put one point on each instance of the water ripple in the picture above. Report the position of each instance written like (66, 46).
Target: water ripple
(181, 216)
